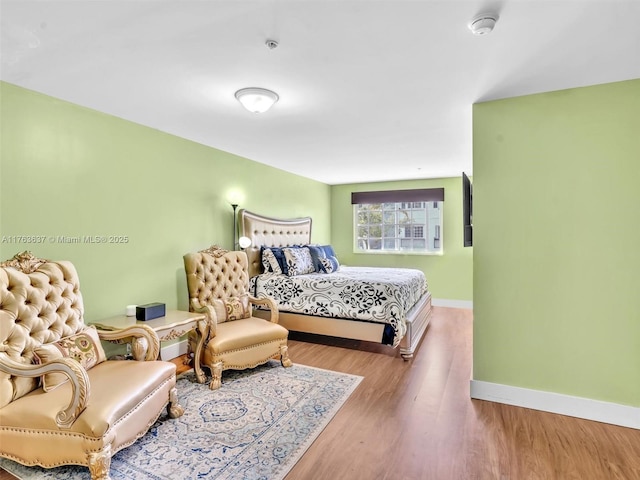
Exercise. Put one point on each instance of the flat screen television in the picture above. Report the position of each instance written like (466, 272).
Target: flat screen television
(467, 210)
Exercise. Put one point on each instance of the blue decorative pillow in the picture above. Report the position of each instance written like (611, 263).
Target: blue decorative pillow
(335, 264)
(324, 258)
(279, 256)
(282, 261)
(328, 251)
(299, 261)
(269, 261)
(317, 254)
(266, 266)
(326, 265)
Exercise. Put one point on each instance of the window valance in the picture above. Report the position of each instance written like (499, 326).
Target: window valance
(391, 196)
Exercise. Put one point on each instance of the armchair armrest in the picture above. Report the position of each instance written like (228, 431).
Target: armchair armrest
(80, 386)
(145, 344)
(212, 318)
(270, 303)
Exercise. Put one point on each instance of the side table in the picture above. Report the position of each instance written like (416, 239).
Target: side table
(174, 324)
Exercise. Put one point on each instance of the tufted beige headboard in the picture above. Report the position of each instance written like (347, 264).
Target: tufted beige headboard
(271, 232)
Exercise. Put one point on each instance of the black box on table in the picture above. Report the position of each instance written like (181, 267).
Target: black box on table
(150, 311)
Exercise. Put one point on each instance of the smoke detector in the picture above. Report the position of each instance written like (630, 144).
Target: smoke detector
(483, 24)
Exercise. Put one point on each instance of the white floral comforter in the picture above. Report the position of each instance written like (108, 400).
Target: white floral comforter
(375, 294)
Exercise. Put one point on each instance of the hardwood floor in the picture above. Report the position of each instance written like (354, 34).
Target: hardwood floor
(415, 421)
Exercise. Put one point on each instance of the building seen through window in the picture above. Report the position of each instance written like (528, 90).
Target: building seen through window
(398, 227)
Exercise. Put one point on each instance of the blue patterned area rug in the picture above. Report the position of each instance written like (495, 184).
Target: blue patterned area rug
(255, 427)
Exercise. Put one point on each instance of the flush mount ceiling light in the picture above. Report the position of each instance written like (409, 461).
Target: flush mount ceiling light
(483, 24)
(256, 100)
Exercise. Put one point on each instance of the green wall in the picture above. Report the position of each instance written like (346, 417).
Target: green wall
(68, 171)
(557, 242)
(449, 275)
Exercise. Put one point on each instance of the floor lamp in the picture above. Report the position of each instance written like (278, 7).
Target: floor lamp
(235, 226)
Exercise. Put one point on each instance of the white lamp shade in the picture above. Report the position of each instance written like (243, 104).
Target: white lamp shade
(244, 242)
(257, 100)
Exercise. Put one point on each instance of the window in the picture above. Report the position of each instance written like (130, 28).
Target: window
(403, 221)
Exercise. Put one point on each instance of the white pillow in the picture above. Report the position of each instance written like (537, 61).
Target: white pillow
(299, 261)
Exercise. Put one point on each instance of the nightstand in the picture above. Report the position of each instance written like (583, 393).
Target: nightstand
(174, 324)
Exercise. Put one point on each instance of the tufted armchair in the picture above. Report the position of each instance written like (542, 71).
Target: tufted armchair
(218, 284)
(61, 401)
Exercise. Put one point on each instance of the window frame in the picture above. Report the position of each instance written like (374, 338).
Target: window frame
(404, 200)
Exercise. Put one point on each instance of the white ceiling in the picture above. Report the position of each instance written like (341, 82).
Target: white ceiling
(370, 90)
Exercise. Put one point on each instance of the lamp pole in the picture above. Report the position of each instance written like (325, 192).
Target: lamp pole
(235, 226)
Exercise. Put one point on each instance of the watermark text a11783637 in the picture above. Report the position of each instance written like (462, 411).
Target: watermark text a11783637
(109, 239)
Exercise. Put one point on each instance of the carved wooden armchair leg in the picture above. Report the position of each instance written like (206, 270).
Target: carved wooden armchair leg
(216, 376)
(174, 409)
(284, 356)
(191, 349)
(99, 463)
(194, 350)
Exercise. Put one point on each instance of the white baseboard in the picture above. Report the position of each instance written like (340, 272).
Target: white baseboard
(443, 302)
(613, 413)
(174, 350)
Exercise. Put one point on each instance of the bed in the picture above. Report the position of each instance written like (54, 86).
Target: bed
(389, 306)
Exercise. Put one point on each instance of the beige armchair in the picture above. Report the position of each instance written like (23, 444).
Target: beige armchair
(61, 401)
(218, 284)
